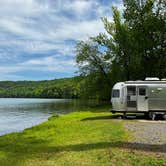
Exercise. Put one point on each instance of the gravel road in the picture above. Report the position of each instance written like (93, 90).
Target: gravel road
(148, 136)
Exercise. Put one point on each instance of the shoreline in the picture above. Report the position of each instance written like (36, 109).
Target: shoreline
(19, 131)
(87, 137)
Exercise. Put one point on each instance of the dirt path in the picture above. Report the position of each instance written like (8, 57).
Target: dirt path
(148, 136)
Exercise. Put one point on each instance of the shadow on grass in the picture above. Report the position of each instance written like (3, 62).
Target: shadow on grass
(124, 145)
(36, 148)
(97, 108)
(118, 116)
(93, 146)
(102, 117)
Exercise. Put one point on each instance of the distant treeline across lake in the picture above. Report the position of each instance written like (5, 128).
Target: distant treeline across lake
(63, 88)
(58, 88)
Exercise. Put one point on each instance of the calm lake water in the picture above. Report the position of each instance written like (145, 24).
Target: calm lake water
(18, 114)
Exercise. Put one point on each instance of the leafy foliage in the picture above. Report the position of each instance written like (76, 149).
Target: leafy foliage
(59, 88)
(133, 47)
(94, 67)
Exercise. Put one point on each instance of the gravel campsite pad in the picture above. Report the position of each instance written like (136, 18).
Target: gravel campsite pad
(148, 136)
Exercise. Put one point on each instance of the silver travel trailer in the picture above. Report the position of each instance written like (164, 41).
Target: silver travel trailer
(147, 97)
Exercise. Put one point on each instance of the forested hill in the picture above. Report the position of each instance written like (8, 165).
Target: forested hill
(58, 88)
(70, 88)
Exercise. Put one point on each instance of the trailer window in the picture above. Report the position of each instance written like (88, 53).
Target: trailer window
(115, 93)
(142, 91)
(131, 90)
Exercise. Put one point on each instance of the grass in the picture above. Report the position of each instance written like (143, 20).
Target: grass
(88, 137)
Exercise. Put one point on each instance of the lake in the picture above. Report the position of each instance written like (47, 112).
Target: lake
(18, 114)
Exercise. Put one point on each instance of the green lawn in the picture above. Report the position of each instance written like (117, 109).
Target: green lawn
(90, 137)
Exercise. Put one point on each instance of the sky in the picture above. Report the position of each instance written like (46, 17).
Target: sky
(38, 37)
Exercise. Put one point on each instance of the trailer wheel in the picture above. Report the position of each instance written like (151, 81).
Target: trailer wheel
(124, 115)
(164, 116)
(152, 115)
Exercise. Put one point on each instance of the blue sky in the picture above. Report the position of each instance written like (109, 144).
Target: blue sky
(38, 37)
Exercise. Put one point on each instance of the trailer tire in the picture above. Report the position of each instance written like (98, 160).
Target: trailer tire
(124, 115)
(164, 116)
(152, 115)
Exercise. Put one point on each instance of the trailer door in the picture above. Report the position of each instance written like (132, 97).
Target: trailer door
(131, 98)
(142, 99)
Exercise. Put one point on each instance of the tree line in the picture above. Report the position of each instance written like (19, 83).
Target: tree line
(132, 48)
(58, 88)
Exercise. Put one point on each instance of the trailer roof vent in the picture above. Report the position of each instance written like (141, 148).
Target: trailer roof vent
(152, 79)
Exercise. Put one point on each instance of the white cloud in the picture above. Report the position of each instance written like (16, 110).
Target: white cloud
(50, 63)
(80, 30)
(22, 7)
(53, 64)
(37, 20)
(119, 5)
(42, 26)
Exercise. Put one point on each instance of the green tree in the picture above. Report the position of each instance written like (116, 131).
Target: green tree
(134, 46)
(147, 21)
(136, 42)
(94, 66)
